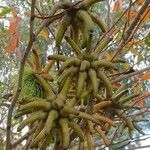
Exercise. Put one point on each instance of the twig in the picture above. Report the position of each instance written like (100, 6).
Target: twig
(19, 84)
(113, 25)
(130, 75)
(131, 28)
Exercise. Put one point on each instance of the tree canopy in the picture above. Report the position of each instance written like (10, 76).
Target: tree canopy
(74, 74)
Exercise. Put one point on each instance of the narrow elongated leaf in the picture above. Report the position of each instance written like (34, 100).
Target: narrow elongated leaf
(5, 11)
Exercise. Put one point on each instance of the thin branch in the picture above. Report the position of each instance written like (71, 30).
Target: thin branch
(19, 85)
(131, 28)
(113, 25)
(126, 76)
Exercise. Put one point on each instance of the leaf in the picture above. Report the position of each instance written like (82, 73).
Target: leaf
(147, 40)
(146, 76)
(14, 32)
(116, 85)
(5, 11)
(44, 34)
(14, 22)
(117, 6)
(13, 43)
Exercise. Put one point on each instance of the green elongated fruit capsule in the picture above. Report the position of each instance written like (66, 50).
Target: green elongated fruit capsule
(44, 105)
(89, 140)
(84, 95)
(65, 22)
(128, 98)
(101, 47)
(121, 88)
(64, 125)
(138, 128)
(104, 119)
(77, 129)
(93, 77)
(32, 118)
(99, 22)
(71, 102)
(74, 47)
(84, 31)
(81, 83)
(46, 87)
(86, 4)
(75, 31)
(68, 110)
(102, 63)
(127, 120)
(22, 112)
(58, 57)
(52, 116)
(66, 87)
(84, 65)
(101, 105)
(84, 17)
(109, 90)
(102, 135)
(130, 132)
(67, 72)
(70, 62)
(87, 117)
(37, 139)
(117, 97)
(118, 60)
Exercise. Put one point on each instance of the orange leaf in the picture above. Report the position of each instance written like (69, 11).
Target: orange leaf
(146, 76)
(116, 85)
(14, 32)
(117, 6)
(14, 22)
(13, 43)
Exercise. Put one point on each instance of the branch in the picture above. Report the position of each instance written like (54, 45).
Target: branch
(19, 84)
(131, 27)
(130, 75)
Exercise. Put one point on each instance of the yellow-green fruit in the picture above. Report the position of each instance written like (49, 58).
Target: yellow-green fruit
(77, 129)
(52, 116)
(65, 22)
(93, 77)
(85, 18)
(81, 83)
(64, 125)
(39, 115)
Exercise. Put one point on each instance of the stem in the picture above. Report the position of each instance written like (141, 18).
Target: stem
(19, 84)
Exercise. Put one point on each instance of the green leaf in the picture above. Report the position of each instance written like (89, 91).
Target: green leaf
(5, 11)
(147, 40)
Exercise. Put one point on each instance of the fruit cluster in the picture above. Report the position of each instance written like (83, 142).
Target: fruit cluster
(84, 103)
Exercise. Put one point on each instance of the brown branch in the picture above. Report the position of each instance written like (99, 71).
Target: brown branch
(126, 76)
(19, 84)
(131, 28)
(113, 25)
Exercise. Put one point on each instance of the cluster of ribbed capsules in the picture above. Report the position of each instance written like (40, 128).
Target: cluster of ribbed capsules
(84, 103)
